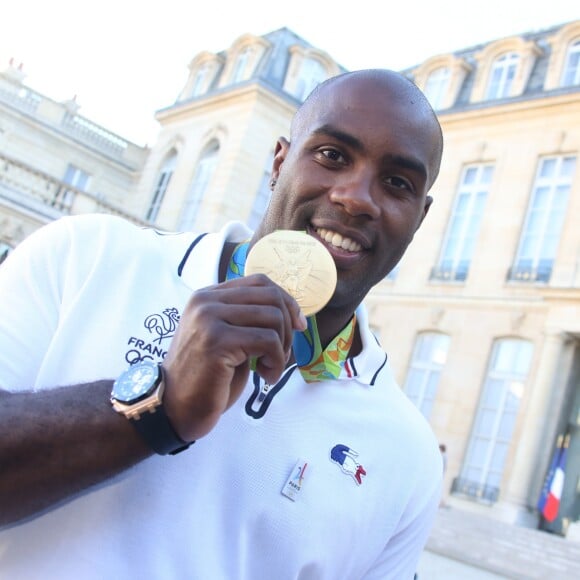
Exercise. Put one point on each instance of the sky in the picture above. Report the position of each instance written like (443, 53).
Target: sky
(126, 59)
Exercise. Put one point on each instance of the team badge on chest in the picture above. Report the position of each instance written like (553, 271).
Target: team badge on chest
(161, 327)
(344, 457)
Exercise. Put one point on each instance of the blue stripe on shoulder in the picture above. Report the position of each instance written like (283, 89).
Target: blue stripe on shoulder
(186, 255)
(378, 371)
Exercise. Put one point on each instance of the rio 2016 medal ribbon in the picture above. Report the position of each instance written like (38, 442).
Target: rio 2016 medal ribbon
(297, 262)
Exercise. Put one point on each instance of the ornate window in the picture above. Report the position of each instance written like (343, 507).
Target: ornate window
(242, 59)
(200, 81)
(78, 180)
(571, 72)
(503, 72)
(437, 86)
(203, 70)
(441, 79)
(463, 229)
(308, 68)
(201, 179)
(262, 196)
(76, 177)
(541, 233)
(495, 420)
(239, 72)
(429, 357)
(564, 67)
(312, 73)
(503, 69)
(161, 187)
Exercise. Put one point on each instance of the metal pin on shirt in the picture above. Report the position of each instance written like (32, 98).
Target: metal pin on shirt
(295, 482)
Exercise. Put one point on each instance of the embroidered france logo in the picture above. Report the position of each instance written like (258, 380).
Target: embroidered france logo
(345, 457)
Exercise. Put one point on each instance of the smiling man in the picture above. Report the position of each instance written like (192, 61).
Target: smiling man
(365, 149)
(280, 466)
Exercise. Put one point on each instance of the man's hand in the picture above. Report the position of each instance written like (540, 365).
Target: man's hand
(221, 328)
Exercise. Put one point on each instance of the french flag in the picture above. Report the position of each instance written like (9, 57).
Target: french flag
(549, 502)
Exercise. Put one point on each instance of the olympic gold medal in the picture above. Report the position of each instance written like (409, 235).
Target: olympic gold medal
(298, 263)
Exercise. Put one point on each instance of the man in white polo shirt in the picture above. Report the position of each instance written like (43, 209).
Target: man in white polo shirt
(163, 415)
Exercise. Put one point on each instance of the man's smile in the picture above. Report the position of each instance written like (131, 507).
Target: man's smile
(337, 240)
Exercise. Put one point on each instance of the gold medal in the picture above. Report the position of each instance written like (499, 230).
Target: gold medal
(297, 262)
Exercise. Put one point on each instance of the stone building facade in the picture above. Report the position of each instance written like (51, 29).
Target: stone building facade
(481, 319)
(55, 162)
(482, 316)
(212, 159)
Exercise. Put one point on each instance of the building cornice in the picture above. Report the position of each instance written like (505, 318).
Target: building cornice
(69, 136)
(556, 98)
(223, 97)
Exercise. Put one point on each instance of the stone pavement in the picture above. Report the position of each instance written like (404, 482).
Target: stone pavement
(435, 567)
(482, 544)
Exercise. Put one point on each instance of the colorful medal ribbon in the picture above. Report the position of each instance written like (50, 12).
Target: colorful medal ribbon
(314, 362)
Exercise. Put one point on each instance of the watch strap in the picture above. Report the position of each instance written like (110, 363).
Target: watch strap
(155, 428)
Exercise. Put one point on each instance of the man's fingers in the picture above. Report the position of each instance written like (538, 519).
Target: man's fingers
(263, 291)
(222, 328)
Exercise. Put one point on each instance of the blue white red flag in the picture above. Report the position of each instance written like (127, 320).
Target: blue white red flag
(550, 475)
(549, 502)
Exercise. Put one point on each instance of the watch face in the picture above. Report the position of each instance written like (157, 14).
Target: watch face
(136, 382)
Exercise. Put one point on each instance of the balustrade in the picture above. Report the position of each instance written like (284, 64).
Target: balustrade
(33, 189)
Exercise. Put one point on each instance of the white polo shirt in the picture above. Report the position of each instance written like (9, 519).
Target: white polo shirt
(84, 297)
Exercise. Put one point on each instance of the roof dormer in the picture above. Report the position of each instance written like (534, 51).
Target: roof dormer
(203, 70)
(441, 78)
(308, 67)
(242, 59)
(503, 69)
(564, 69)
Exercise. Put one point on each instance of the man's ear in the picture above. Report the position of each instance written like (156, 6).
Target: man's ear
(428, 202)
(282, 147)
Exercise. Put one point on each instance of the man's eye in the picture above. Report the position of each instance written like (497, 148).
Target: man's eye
(332, 155)
(398, 182)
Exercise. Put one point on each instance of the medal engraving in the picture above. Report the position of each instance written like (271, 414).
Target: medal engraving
(298, 263)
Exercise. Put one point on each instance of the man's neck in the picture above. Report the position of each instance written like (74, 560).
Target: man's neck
(330, 323)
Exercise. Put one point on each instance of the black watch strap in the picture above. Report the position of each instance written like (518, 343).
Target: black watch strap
(158, 433)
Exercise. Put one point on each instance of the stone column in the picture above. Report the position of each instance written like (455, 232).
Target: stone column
(546, 395)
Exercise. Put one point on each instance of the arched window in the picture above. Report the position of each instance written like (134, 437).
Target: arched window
(571, 72)
(239, 73)
(429, 358)
(503, 72)
(200, 82)
(262, 196)
(436, 86)
(495, 420)
(312, 73)
(201, 178)
(161, 187)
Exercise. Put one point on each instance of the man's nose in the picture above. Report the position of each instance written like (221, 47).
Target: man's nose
(355, 194)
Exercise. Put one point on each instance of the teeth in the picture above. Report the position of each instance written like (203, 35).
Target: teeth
(335, 239)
